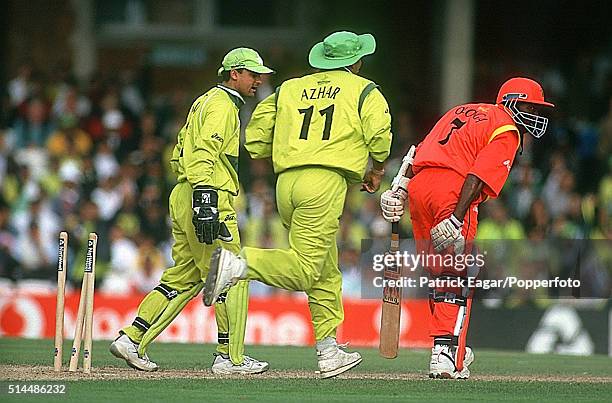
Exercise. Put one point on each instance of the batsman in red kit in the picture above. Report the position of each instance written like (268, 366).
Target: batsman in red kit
(464, 160)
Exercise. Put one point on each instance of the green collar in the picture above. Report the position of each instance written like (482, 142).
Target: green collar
(233, 94)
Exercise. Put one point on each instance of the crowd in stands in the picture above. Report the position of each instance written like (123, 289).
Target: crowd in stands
(95, 157)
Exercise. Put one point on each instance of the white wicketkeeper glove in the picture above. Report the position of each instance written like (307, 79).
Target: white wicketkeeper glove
(447, 233)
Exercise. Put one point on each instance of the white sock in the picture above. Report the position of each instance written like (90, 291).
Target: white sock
(326, 343)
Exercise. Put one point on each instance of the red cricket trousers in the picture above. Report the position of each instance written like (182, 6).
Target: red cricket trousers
(433, 195)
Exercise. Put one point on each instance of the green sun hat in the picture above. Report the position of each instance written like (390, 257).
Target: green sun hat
(244, 58)
(341, 49)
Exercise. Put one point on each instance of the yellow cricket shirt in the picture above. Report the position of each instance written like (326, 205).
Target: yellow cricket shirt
(206, 153)
(330, 118)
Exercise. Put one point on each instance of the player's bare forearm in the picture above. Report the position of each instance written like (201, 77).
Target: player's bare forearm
(472, 187)
(373, 178)
(378, 166)
(409, 173)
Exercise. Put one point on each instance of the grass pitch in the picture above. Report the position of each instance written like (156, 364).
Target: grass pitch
(185, 376)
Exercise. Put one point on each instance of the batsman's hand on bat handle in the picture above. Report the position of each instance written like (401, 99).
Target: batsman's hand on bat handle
(392, 205)
(205, 214)
(448, 233)
(392, 201)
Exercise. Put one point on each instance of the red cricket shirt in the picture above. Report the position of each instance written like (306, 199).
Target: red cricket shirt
(478, 139)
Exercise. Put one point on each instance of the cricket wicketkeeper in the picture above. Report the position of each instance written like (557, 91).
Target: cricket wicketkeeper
(465, 159)
(205, 160)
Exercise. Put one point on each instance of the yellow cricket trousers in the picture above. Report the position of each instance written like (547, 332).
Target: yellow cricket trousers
(310, 202)
(183, 281)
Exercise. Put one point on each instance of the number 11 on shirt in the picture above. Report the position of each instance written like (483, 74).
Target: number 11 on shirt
(307, 112)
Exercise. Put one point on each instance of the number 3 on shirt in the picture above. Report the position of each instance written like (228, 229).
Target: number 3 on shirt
(307, 112)
(456, 125)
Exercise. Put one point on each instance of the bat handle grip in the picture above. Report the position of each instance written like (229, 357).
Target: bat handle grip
(394, 237)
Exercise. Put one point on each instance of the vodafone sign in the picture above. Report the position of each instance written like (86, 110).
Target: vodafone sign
(272, 320)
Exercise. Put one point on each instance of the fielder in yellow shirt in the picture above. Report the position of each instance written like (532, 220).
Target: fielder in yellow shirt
(205, 160)
(320, 130)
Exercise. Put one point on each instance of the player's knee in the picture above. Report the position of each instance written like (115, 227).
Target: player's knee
(450, 290)
(311, 276)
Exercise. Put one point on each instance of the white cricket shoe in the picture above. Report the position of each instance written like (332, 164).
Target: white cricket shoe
(334, 360)
(124, 348)
(442, 364)
(222, 365)
(225, 271)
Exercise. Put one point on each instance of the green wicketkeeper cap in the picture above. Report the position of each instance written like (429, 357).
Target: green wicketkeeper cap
(244, 58)
(341, 49)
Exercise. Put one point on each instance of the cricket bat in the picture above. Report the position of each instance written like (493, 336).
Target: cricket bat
(391, 303)
(392, 296)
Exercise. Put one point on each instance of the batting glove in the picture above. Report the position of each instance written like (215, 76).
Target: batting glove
(447, 233)
(392, 204)
(205, 215)
(400, 182)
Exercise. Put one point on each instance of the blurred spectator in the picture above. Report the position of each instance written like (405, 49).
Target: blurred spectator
(265, 230)
(570, 225)
(67, 200)
(154, 222)
(8, 263)
(87, 221)
(19, 88)
(39, 212)
(130, 93)
(108, 197)
(404, 134)
(123, 261)
(149, 265)
(558, 189)
(605, 204)
(35, 159)
(69, 103)
(351, 231)
(148, 125)
(538, 219)
(604, 147)
(260, 195)
(10, 186)
(33, 127)
(127, 182)
(109, 124)
(69, 140)
(37, 256)
(27, 188)
(351, 272)
(105, 163)
(586, 153)
(525, 177)
(497, 224)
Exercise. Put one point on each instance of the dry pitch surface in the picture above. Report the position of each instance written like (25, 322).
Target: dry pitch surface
(46, 373)
(185, 374)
